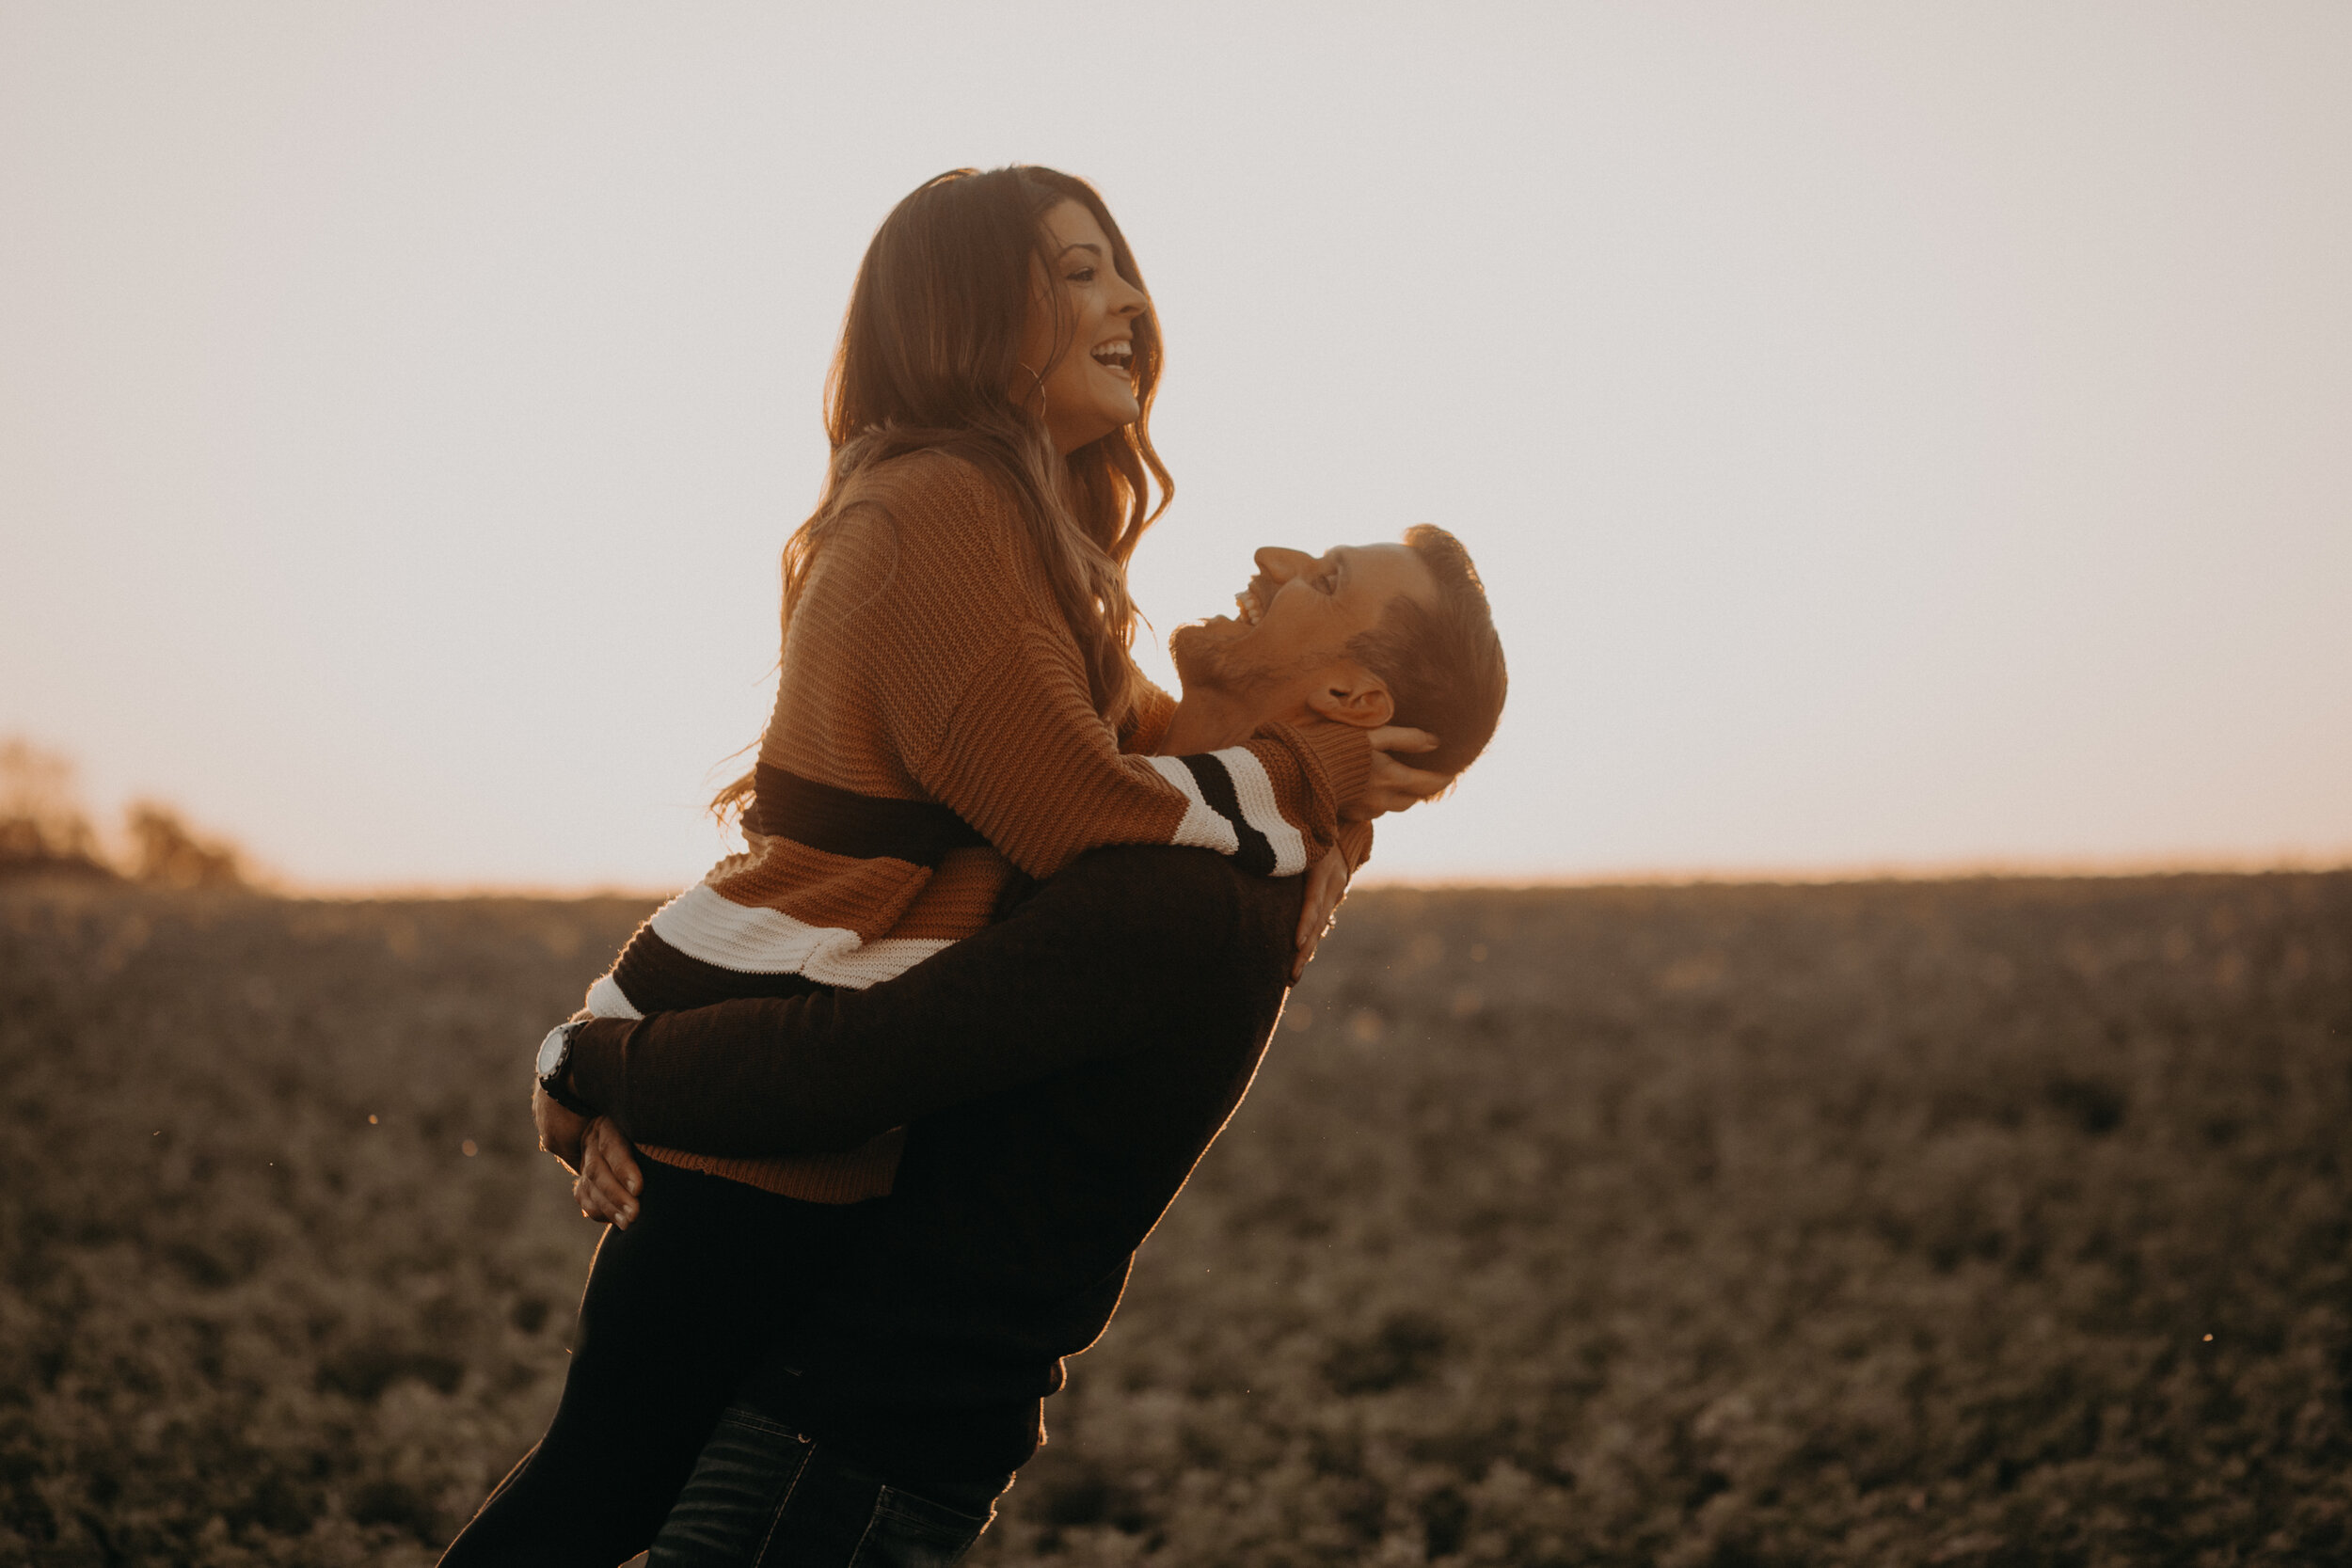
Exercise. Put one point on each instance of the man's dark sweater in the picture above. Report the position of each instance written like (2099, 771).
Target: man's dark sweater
(1059, 1073)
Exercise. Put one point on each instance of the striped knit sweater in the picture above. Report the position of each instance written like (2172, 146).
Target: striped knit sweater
(933, 735)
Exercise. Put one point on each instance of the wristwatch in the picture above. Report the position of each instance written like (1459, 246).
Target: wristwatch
(555, 1061)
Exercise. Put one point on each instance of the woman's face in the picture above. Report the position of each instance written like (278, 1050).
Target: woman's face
(1089, 391)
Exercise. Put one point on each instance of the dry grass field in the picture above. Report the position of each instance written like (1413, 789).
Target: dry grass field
(1977, 1222)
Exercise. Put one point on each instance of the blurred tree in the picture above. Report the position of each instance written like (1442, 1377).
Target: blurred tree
(42, 827)
(163, 850)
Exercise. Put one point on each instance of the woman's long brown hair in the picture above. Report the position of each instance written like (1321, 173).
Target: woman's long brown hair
(929, 359)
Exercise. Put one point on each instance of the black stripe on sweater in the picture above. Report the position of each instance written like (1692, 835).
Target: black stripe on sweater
(1256, 855)
(861, 826)
(658, 978)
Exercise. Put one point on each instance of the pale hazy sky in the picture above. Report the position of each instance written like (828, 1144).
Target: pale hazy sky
(1892, 433)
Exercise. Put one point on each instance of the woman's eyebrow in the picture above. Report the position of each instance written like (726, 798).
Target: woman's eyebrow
(1078, 245)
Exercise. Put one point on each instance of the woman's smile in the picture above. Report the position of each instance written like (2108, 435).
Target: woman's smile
(1077, 348)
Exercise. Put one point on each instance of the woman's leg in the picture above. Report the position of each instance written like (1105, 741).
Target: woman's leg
(675, 1312)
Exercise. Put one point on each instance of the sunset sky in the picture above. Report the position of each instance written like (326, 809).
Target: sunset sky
(1894, 436)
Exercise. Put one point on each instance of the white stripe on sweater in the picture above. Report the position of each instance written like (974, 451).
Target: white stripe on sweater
(1255, 792)
(606, 999)
(1203, 826)
(702, 923)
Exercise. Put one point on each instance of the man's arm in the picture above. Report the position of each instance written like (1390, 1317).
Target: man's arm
(1074, 975)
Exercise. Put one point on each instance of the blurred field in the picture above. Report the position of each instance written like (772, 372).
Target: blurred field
(1980, 1222)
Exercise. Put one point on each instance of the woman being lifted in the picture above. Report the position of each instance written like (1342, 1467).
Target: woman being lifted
(958, 712)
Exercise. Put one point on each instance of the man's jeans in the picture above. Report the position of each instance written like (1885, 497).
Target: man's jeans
(764, 1496)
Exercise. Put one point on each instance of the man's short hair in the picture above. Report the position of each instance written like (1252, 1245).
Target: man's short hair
(1441, 662)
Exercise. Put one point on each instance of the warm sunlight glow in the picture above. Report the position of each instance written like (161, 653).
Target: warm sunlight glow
(1894, 437)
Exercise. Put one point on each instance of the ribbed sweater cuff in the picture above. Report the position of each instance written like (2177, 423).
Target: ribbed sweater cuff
(1339, 763)
(1356, 844)
(599, 1065)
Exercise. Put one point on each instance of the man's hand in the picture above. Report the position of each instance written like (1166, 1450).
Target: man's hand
(609, 1181)
(560, 1131)
(1327, 884)
(1392, 785)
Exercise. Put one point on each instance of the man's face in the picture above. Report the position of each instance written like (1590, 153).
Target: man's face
(1296, 618)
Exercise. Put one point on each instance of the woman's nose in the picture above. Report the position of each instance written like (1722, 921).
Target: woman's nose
(1129, 300)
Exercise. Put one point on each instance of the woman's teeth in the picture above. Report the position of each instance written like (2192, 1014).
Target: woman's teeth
(1117, 357)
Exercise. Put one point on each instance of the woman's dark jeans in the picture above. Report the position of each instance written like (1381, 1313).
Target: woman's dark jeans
(763, 1497)
(678, 1311)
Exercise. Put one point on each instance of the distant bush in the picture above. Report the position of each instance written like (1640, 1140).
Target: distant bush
(44, 829)
(163, 851)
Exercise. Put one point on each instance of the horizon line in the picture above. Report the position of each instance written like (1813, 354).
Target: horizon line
(1761, 873)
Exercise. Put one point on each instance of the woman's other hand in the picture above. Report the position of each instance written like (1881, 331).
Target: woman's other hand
(1327, 884)
(560, 1129)
(1393, 785)
(609, 1181)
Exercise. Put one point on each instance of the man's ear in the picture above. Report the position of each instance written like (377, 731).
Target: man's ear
(1350, 694)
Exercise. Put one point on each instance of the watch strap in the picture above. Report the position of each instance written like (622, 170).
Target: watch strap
(552, 1082)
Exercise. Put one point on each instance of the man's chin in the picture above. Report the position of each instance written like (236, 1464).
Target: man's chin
(1193, 650)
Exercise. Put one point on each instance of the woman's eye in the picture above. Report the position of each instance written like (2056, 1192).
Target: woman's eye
(1084, 275)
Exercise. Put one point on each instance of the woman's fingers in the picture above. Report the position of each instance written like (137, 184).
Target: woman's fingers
(1393, 785)
(1389, 784)
(1402, 737)
(1327, 884)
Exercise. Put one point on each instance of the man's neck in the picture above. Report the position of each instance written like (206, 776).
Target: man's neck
(1209, 720)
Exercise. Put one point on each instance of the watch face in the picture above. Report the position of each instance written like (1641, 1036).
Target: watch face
(551, 1051)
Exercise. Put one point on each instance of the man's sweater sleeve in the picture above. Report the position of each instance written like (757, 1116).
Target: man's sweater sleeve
(1094, 960)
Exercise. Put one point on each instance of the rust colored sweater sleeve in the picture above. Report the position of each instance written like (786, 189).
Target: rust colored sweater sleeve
(976, 676)
(1154, 712)
(1026, 761)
